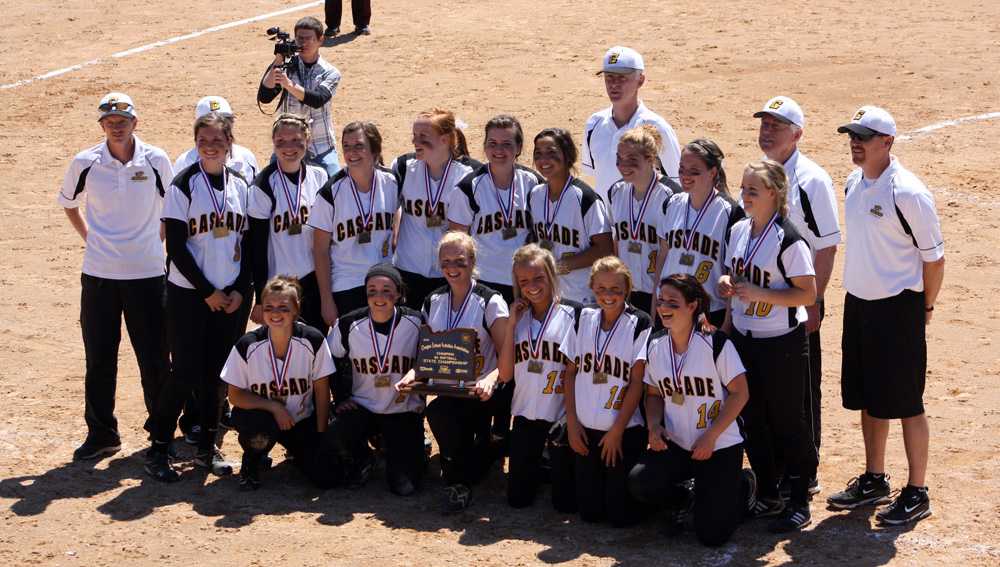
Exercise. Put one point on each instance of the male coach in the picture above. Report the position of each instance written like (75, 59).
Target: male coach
(812, 208)
(893, 271)
(624, 74)
(122, 180)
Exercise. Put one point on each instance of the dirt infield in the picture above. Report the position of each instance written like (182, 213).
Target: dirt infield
(709, 67)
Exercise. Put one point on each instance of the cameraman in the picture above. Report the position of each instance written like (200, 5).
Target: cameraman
(306, 89)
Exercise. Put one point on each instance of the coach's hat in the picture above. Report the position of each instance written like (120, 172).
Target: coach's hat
(869, 120)
(620, 59)
(785, 109)
(117, 103)
(212, 104)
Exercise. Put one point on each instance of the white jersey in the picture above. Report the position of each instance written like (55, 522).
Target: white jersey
(577, 216)
(693, 400)
(885, 256)
(633, 225)
(538, 362)
(601, 391)
(123, 209)
(812, 205)
(252, 366)
(775, 257)
(214, 240)
(424, 220)
(696, 240)
(380, 354)
(345, 211)
(491, 213)
(482, 308)
(285, 201)
(600, 145)
(241, 159)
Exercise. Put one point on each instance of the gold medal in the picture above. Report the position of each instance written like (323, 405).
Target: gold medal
(364, 237)
(509, 232)
(687, 259)
(677, 397)
(295, 228)
(600, 378)
(434, 221)
(634, 247)
(382, 381)
(535, 366)
(220, 232)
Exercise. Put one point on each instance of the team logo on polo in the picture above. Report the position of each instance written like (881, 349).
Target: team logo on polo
(139, 176)
(877, 211)
(776, 104)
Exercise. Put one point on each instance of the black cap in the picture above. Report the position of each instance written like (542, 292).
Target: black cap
(387, 270)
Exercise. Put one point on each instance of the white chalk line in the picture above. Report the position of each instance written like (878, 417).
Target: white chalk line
(157, 44)
(946, 123)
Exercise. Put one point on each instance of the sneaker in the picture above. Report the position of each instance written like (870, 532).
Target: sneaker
(793, 519)
(680, 514)
(91, 450)
(402, 486)
(911, 505)
(193, 435)
(457, 498)
(764, 507)
(750, 479)
(360, 473)
(250, 473)
(861, 490)
(363, 30)
(331, 32)
(212, 460)
(785, 487)
(158, 465)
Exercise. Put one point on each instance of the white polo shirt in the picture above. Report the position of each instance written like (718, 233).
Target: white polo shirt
(882, 259)
(123, 208)
(241, 159)
(600, 146)
(812, 205)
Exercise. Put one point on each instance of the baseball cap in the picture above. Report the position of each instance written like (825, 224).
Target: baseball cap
(869, 120)
(117, 103)
(784, 108)
(620, 59)
(212, 104)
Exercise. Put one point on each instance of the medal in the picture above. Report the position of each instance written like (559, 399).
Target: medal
(294, 205)
(677, 397)
(279, 377)
(506, 211)
(677, 367)
(599, 348)
(219, 230)
(433, 220)
(364, 237)
(385, 247)
(750, 253)
(535, 364)
(382, 357)
(295, 228)
(236, 252)
(382, 381)
(635, 221)
(635, 247)
(365, 231)
(548, 219)
(546, 244)
(687, 259)
(600, 378)
(689, 234)
(738, 278)
(453, 320)
(509, 232)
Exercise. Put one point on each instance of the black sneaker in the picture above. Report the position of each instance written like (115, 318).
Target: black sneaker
(764, 507)
(250, 473)
(360, 473)
(457, 498)
(363, 30)
(158, 465)
(193, 435)
(750, 480)
(861, 490)
(402, 486)
(911, 505)
(785, 487)
(212, 460)
(91, 450)
(331, 32)
(794, 518)
(680, 514)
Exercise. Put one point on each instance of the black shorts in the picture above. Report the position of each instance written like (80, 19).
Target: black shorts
(884, 362)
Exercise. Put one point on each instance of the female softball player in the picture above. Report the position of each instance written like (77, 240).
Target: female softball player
(769, 280)
(694, 230)
(492, 203)
(240, 158)
(208, 279)
(374, 348)
(603, 387)
(427, 179)
(635, 204)
(570, 220)
(353, 218)
(695, 390)
(540, 321)
(279, 385)
(280, 201)
(462, 425)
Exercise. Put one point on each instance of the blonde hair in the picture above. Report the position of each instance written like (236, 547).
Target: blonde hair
(613, 265)
(292, 120)
(646, 138)
(462, 239)
(285, 286)
(533, 254)
(772, 175)
(445, 124)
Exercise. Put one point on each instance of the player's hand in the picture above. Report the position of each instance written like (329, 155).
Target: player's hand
(725, 287)
(328, 309)
(405, 384)
(747, 292)
(706, 327)
(518, 308)
(703, 447)
(217, 301)
(235, 300)
(346, 405)
(257, 314)
(658, 438)
(611, 447)
(282, 417)
(485, 387)
(812, 325)
(577, 437)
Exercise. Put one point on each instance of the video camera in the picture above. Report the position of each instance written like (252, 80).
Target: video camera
(284, 46)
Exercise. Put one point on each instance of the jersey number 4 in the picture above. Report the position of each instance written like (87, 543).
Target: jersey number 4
(708, 414)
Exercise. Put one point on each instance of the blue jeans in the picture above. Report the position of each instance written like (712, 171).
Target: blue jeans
(328, 160)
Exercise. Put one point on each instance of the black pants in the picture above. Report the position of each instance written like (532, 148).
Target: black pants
(349, 300)
(312, 308)
(402, 438)
(528, 439)
(361, 11)
(601, 491)
(418, 288)
(102, 304)
(200, 341)
(310, 450)
(814, 394)
(777, 374)
(462, 429)
(719, 495)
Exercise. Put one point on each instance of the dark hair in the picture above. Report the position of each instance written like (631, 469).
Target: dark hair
(564, 140)
(505, 121)
(445, 124)
(370, 130)
(218, 120)
(692, 290)
(310, 23)
(711, 155)
(387, 270)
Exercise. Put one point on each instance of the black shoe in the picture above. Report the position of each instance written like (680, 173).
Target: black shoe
(212, 460)
(794, 518)
(91, 450)
(331, 32)
(158, 465)
(765, 507)
(250, 472)
(750, 480)
(457, 498)
(785, 487)
(861, 490)
(680, 513)
(911, 505)
(360, 473)
(193, 435)
(402, 486)
(363, 30)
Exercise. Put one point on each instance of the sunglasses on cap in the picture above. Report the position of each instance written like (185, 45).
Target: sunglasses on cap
(115, 106)
(855, 137)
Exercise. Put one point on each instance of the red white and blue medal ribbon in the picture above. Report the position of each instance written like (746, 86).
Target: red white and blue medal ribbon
(689, 235)
(366, 218)
(636, 221)
(382, 358)
(750, 253)
(453, 320)
(536, 342)
(279, 377)
(599, 349)
(508, 210)
(220, 208)
(435, 198)
(294, 206)
(551, 219)
(677, 362)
